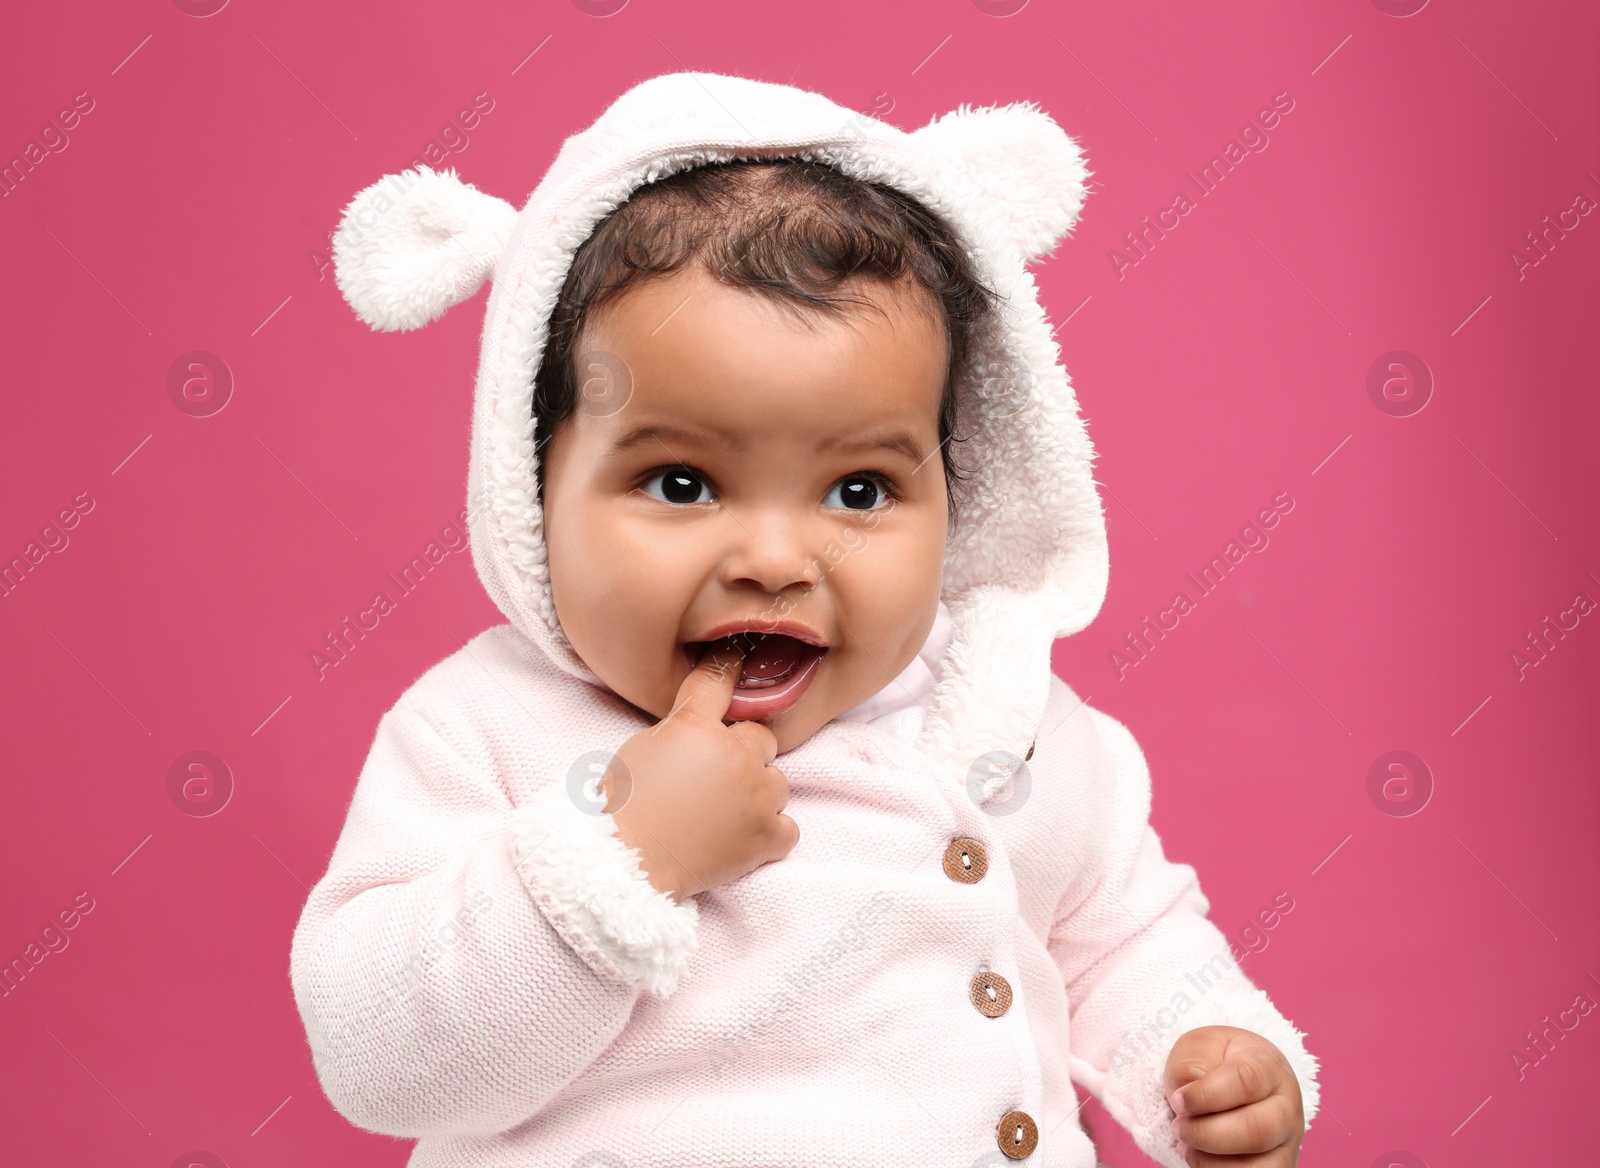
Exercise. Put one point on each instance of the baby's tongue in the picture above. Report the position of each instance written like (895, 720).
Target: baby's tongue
(773, 658)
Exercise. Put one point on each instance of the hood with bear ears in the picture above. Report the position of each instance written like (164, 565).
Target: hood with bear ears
(1027, 561)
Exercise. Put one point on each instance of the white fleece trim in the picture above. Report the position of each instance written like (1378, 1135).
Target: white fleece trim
(594, 891)
(1140, 1082)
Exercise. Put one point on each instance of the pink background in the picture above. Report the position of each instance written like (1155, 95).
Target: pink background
(1227, 366)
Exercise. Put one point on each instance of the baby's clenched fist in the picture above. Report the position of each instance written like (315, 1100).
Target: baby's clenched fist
(1235, 1099)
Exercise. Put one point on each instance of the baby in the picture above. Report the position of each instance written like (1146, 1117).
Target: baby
(763, 834)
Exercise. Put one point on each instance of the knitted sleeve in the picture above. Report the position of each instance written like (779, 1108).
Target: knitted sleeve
(1142, 965)
(464, 959)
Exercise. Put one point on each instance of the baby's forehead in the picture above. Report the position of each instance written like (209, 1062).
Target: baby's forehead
(689, 316)
(688, 342)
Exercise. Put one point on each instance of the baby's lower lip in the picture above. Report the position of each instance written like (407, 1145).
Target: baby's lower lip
(758, 704)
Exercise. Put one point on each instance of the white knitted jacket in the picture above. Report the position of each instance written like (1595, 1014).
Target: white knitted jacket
(977, 914)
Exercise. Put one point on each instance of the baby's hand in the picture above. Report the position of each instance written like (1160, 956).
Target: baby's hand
(698, 799)
(1237, 1097)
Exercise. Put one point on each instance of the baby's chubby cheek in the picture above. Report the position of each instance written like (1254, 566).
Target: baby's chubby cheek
(886, 601)
(621, 607)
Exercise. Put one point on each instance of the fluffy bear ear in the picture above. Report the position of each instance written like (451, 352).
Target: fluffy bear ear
(416, 243)
(1026, 166)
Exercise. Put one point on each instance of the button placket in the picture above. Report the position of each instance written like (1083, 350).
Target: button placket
(966, 861)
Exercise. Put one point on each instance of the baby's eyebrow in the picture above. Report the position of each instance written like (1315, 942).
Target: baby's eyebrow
(898, 441)
(643, 435)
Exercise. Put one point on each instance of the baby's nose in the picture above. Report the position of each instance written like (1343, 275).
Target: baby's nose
(775, 552)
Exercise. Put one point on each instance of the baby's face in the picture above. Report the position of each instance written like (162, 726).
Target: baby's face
(764, 474)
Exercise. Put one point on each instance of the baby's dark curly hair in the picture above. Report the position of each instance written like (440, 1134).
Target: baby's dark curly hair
(793, 230)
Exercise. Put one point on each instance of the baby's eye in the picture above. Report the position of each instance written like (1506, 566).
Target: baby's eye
(679, 485)
(859, 492)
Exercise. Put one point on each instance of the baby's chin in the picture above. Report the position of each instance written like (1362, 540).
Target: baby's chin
(797, 725)
(823, 702)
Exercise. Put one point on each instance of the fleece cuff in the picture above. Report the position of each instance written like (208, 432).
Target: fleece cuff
(1142, 1081)
(592, 888)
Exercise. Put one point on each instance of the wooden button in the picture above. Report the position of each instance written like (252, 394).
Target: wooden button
(1018, 1134)
(965, 861)
(991, 993)
(1029, 756)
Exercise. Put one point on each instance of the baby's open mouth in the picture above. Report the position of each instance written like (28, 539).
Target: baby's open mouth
(776, 671)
